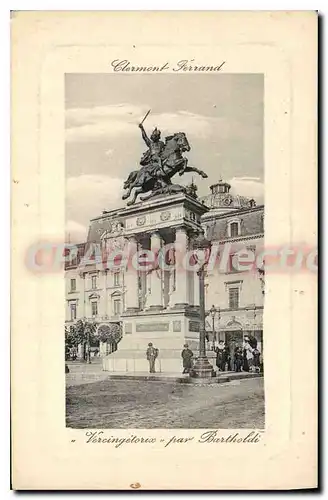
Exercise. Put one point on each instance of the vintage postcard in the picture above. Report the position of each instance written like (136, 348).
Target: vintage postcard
(164, 225)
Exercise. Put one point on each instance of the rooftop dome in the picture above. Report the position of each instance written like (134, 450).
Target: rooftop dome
(221, 200)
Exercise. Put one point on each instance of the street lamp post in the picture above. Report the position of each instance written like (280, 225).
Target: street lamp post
(88, 346)
(219, 319)
(261, 274)
(202, 368)
(212, 313)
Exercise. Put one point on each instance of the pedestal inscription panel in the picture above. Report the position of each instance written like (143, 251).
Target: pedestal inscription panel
(152, 327)
(193, 326)
(177, 326)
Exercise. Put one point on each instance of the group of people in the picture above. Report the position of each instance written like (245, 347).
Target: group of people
(246, 357)
(187, 357)
(71, 353)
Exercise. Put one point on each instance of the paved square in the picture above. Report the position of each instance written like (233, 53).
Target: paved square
(143, 404)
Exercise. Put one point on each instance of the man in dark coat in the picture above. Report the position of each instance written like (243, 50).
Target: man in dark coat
(151, 354)
(220, 361)
(226, 358)
(256, 358)
(187, 355)
(238, 359)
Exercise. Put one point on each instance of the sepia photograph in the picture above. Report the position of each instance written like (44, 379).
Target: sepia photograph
(164, 273)
(164, 250)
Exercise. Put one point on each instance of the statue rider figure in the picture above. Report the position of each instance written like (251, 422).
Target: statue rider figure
(152, 157)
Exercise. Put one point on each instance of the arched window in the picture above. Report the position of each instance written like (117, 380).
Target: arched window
(94, 308)
(116, 304)
(94, 282)
(117, 280)
(94, 298)
(73, 311)
(234, 229)
(117, 307)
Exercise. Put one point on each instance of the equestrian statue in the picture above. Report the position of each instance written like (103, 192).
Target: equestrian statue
(159, 164)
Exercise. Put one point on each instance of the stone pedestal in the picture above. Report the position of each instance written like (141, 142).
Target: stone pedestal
(203, 368)
(168, 317)
(168, 332)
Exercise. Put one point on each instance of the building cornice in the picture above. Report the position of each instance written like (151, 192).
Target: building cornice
(227, 215)
(231, 311)
(239, 238)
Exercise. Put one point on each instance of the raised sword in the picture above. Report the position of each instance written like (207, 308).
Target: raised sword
(145, 116)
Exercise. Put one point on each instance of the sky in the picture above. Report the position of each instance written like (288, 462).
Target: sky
(221, 115)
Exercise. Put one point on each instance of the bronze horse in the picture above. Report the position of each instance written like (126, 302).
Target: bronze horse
(173, 162)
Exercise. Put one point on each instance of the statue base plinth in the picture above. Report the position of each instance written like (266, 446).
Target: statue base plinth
(202, 369)
(168, 331)
(167, 317)
(132, 310)
(155, 308)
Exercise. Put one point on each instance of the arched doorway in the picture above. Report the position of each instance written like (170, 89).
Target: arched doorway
(233, 337)
(233, 332)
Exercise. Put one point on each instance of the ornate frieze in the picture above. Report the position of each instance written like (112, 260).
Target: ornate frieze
(141, 220)
(165, 215)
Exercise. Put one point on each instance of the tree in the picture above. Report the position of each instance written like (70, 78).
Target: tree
(70, 338)
(110, 333)
(85, 331)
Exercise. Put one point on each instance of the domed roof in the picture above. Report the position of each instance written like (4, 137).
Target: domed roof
(220, 199)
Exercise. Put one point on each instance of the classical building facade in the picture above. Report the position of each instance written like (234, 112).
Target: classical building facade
(234, 223)
(100, 293)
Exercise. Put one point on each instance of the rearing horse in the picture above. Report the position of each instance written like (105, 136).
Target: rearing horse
(173, 162)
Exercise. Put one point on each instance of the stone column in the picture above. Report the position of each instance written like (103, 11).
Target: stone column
(181, 293)
(155, 299)
(171, 288)
(131, 278)
(166, 288)
(194, 280)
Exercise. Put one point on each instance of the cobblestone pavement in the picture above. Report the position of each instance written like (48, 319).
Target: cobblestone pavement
(141, 404)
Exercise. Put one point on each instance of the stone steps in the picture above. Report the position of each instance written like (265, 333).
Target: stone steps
(183, 379)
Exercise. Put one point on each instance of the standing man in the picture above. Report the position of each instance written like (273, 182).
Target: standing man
(227, 358)
(256, 360)
(151, 354)
(187, 355)
(248, 355)
(238, 359)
